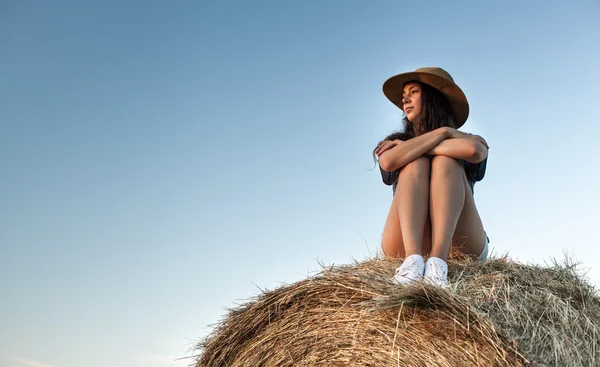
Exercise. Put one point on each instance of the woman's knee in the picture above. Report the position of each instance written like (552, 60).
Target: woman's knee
(420, 167)
(441, 162)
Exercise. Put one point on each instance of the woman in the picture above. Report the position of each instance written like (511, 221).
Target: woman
(433, 168)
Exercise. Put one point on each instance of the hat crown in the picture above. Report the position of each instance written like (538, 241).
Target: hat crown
(436, 71)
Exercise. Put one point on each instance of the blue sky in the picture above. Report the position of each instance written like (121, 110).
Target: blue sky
(162, 161)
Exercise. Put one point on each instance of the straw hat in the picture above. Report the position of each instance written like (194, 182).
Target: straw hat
(435, 77)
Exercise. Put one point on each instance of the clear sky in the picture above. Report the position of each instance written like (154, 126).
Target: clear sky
(162, 161)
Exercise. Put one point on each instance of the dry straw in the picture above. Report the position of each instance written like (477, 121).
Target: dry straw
(496, 313)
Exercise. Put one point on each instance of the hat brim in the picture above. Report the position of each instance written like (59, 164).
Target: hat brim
(394, 87)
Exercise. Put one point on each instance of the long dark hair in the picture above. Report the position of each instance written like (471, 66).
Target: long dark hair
(435, 113)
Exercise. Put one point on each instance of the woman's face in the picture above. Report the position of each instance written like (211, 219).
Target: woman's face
(411, 97)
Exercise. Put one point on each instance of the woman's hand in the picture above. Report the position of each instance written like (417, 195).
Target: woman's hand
(453, 133)
(386, 145)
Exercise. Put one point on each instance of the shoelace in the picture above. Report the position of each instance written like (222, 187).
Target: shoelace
(438, 271)
(409, 269)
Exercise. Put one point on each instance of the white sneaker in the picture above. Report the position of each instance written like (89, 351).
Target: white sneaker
(410, 271)
(436, 272)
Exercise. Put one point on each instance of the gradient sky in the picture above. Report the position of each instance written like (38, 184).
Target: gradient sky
(162, 161)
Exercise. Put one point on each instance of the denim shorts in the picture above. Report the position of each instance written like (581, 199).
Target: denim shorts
(484, 253)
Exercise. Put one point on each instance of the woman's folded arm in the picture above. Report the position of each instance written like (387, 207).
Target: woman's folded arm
(405, 152)
(468, 149)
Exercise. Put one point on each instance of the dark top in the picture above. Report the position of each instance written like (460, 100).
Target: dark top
(474, 171)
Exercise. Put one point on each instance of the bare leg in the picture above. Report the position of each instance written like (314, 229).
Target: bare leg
(391, 239)
(404, 230)
(446, 204)
(392, 243)
(469, 235)
(413, 203)
(454, 216)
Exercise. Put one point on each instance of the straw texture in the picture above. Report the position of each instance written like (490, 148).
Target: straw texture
(496, 313)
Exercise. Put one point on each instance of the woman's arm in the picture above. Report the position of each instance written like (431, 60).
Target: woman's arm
(469, 149)
(396, 154)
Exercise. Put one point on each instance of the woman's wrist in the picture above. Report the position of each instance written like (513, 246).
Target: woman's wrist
(445, 132)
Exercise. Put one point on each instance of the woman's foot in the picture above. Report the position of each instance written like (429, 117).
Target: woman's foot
(411, 270)
(436, 272)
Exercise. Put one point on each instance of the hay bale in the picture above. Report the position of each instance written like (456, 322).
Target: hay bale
(497, 313)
